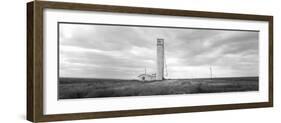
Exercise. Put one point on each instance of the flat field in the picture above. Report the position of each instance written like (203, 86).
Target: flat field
(73, 88)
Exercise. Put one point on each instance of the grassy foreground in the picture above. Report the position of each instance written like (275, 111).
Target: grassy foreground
(72, 88)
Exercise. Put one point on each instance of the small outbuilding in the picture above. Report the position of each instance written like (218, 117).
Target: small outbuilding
(147, 77)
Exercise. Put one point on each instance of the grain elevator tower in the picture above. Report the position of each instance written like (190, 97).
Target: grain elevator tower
(160, 59)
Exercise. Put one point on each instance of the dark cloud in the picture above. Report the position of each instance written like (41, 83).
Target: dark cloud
(103, 51)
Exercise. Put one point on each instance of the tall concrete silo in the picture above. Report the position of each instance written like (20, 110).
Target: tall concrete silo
(160, 59)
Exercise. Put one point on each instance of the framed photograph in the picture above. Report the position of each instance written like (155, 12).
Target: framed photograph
(88, 61)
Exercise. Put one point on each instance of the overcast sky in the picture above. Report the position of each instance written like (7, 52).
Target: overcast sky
(123, 52)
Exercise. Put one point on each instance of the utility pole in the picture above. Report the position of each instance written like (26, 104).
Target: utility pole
(211, 73)
(145, 70)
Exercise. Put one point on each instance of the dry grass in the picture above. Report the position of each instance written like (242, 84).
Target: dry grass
(71, 88)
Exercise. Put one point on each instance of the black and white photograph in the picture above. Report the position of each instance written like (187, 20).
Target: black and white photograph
(109, 60)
